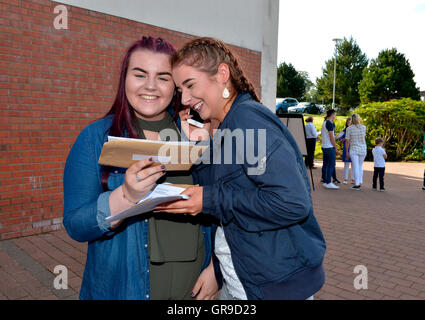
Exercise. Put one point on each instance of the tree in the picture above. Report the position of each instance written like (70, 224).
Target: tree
(290, 83)
(309, 86)
(401, 123)
(349, 67)
(389, 76)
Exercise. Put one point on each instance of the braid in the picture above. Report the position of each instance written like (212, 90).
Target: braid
(206, 54)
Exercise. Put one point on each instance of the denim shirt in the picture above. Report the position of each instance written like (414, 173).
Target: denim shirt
(117, 265)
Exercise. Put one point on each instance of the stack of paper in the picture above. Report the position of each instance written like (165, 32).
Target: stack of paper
(162, 193)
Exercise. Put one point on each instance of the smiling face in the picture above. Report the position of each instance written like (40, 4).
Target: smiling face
(348, 123)
(200, 91)
(149, 86)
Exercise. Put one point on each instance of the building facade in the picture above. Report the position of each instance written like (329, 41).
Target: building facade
(59, 65)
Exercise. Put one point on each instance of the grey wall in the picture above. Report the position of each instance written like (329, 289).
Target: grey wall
(251, 24)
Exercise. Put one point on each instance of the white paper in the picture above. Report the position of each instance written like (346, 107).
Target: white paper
(112, 138)
(155, 158)
(162, 193)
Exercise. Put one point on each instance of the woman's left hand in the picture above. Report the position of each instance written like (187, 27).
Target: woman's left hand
(206, 288)
(192, 206)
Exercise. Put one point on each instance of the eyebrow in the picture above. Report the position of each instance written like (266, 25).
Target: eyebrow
(187, 80)
(144, 71)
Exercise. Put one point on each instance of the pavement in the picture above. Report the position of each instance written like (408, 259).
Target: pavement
(375, 244)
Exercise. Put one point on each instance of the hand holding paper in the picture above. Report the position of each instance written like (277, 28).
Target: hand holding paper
(192, 206)
(160, 194)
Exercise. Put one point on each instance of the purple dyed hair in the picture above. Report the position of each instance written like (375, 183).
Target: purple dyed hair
(121, 109)
(122, 123)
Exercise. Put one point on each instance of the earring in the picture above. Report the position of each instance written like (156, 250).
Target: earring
(226, 93)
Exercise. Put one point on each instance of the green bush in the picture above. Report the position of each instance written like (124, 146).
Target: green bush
(401, 123)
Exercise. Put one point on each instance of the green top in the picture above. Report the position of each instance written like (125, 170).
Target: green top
(172, 237)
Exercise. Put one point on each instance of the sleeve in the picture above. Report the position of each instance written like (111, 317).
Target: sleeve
(86, 205)
(329, 126)
(277, 198)
(315, 133)
(348, 134)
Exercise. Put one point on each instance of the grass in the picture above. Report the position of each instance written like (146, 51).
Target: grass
(318, 122)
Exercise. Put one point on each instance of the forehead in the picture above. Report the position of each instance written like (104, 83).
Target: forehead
(148, 60)
(183, 72)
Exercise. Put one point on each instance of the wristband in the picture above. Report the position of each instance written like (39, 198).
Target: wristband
(123, 195)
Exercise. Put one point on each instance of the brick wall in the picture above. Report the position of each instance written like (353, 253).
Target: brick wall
(52, 84)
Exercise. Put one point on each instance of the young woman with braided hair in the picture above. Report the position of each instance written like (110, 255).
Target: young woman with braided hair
(267, 243)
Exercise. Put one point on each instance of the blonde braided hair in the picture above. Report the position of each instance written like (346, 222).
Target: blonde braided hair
(206, 54)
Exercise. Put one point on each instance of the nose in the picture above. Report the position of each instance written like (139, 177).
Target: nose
(151, 83)
(185, 98)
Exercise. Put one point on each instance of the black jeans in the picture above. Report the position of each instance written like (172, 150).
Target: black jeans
(311, 147)
(378, 172)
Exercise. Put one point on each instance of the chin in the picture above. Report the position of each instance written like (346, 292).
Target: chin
(149, 112)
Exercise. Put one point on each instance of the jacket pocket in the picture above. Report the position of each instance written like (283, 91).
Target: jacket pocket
(263, 257)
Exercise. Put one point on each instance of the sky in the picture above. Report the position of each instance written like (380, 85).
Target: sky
(307, 27)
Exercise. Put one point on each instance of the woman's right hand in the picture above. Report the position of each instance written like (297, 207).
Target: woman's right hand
(140, 178)
(193, 133)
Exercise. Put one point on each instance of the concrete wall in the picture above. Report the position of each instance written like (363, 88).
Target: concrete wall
(251, 24)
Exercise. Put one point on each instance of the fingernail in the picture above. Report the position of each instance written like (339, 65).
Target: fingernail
(163, 167)
(150, 159)
(192, 294)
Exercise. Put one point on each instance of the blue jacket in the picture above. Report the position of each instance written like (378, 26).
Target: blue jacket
(117, 265)
(276, 243)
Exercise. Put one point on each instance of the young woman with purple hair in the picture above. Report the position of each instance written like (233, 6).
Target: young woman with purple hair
(146, 256)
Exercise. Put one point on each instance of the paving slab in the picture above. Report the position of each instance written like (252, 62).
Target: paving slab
(377, 236)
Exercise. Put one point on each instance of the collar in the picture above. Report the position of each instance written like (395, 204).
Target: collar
(240, 98)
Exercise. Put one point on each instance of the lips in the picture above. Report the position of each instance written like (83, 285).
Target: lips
(197, 106)
(148, 97)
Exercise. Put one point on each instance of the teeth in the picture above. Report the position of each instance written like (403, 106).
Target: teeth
(197, 106)
(148, 97)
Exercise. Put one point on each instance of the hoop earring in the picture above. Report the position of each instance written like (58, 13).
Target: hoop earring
(226, 93)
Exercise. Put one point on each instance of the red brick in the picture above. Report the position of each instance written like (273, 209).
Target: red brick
(54, 83)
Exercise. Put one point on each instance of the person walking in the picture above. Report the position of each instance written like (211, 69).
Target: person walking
(356, 144)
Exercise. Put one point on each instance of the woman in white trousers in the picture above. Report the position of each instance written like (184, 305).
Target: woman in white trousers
(356, 144)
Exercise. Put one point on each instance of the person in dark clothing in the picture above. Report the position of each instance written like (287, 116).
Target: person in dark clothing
(268, 244)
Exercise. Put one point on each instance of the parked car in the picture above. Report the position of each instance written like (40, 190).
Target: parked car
(284, 104)
(322, 108)
(305, 107)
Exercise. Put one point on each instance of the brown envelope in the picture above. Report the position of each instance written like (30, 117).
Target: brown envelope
(176, 156)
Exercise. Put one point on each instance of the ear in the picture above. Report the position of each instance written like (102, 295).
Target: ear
(223, 73)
